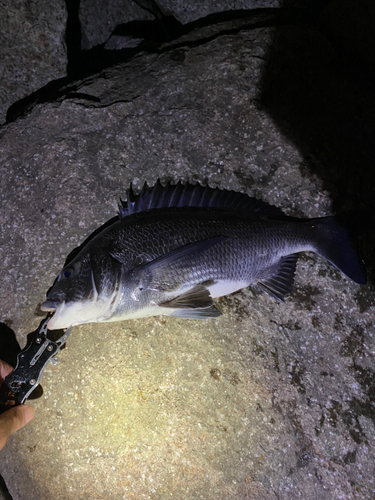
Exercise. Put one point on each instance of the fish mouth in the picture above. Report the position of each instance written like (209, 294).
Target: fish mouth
(50, 305)
(58, 307)
(53, 302)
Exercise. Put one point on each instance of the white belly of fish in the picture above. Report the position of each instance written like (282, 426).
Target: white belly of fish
(77, 313)
(225, 287)
(218, 289)
(101, 310)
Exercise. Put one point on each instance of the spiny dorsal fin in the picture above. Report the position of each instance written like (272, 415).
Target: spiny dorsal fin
(191, 195)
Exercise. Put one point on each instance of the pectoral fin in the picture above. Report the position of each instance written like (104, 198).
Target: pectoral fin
(196, 303)
(208, 312)
(156, 275)
(181, 252)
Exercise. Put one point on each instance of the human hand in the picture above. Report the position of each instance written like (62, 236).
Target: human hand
(16, 417)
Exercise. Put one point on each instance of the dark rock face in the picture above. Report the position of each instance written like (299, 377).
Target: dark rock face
(98, 19)
(268, 401)
(32, 48)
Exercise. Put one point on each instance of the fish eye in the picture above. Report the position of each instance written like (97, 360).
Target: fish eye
(67, 273)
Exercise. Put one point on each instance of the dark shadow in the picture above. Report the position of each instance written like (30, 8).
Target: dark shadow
(327, 109)
(4, 492)
(9, 347)
(73, 36)
(153, 34)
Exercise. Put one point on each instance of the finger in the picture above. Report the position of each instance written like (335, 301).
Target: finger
(12, 420)
(5, 369)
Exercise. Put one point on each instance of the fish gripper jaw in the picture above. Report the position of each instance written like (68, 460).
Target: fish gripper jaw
(31, 363)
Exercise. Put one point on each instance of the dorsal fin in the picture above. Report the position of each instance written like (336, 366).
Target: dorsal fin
(191, 195)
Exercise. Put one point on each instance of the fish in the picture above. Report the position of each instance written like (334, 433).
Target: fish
(172, 249)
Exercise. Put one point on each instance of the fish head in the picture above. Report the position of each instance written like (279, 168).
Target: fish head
(83, 292)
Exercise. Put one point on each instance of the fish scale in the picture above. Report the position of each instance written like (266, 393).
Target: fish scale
(175, 248)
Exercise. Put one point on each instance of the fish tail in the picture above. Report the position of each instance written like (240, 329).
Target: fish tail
(333, 243)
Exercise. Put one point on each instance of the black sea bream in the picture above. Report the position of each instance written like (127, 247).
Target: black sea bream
(174, 248)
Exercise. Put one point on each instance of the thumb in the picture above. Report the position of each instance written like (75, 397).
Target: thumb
(12, 420)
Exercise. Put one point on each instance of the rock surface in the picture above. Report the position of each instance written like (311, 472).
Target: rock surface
(270, 401)
(32, 48)
(34, 52)
(186, 12)
(98, 19)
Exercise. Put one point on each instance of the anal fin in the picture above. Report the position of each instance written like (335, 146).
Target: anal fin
(281, 282)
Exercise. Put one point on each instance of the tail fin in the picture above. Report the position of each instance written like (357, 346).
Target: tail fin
(332, 242)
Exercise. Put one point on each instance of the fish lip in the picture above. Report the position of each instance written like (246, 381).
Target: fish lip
(52, 303)
(48, 306)
(56, 317)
